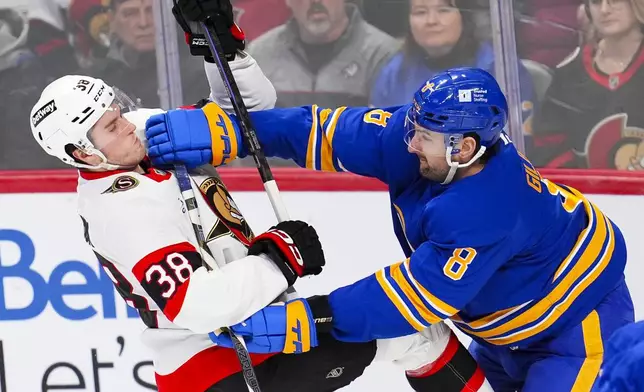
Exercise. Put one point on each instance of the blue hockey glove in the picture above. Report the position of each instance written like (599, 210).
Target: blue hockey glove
(290, 327)
(193, 137)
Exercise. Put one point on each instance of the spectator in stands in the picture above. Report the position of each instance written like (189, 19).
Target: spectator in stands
(48, 37)
(326, 54)
(131, 58)
(90, 29)
(21, 79)
(547, 30)
(258, 16)
(592, 116)
(441, 35)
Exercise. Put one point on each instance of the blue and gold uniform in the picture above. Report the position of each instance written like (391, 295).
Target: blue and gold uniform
(508, 255)
(530, 269)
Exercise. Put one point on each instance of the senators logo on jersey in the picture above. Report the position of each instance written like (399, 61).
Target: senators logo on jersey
(122, 184)
(222, 204)
(612, 144)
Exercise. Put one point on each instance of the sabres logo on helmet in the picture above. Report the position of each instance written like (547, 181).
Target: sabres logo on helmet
(612, 144)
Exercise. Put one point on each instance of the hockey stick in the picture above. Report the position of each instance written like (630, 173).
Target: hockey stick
(193, 212)
(270, 186)
(255, 149)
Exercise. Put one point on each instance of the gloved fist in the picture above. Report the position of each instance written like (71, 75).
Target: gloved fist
(289, 328)
(192, 137)
(293, 246)
(217, 14)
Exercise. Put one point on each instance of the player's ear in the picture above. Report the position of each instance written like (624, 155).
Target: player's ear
(469, 146)
(81, 156)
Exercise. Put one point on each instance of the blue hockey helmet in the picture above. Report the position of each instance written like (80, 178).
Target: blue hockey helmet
(457, 102)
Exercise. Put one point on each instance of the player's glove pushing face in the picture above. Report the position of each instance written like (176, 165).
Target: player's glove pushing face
(294, 247)
(216, 13)
(193, 137)
(290, 328)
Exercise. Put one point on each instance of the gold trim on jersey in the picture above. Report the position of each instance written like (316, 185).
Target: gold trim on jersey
(408, 295)
(398, 302)
(326, 132)
(313, 137)
(412, 298)
(327, 136)
(594, 346)
(434, 301)
(401, 218)
(589, 265)
(491, 318)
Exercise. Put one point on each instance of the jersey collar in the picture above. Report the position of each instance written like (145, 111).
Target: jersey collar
(97, 175)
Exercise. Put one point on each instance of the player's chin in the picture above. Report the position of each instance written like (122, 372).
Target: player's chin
(432, 173)
(136, 156)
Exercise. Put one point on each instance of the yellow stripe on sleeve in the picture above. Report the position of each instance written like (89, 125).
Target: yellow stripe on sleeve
(411, 295)
(324, 116)
(398, 303)
(327, 141)
(434, 301)
(311, 149)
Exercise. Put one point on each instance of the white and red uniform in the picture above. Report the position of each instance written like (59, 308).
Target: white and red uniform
(139, 229)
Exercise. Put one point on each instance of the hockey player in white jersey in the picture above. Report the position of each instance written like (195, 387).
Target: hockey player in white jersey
(136, 223)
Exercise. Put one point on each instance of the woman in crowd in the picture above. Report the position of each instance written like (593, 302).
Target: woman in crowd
(592, 115)
(442, 34)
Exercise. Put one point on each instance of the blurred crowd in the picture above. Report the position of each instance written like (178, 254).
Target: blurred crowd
(580, 63)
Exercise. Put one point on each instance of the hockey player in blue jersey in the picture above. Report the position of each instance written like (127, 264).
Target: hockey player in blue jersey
(531, 270)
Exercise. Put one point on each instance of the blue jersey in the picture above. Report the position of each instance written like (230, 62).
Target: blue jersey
(507, 255)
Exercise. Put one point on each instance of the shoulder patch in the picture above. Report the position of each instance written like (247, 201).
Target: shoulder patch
(570, 57)
(230, 218)
(122, 184)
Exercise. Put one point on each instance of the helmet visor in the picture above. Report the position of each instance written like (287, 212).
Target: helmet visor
(124, 102)
(112, 126)
(422, 140)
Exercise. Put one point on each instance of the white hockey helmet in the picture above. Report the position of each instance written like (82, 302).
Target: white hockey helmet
(67, 110)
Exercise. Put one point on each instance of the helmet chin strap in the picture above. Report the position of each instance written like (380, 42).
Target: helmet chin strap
(453, 166)
(104, 163)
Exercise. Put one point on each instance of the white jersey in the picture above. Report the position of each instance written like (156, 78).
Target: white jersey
(139, 229)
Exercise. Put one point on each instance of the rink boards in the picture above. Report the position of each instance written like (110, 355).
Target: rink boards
(62, 326)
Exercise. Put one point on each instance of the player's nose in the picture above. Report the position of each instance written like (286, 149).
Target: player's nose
(413, 145)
